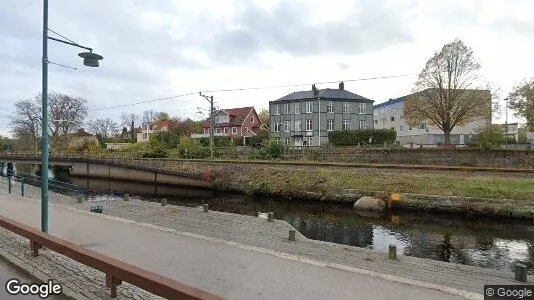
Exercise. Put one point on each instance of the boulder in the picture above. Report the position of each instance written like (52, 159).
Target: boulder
(369, 203)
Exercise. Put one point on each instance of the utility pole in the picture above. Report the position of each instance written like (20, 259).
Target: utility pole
(506, 121)
(212, 121)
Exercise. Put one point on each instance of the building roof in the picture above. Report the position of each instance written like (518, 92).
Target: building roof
(389, 102)
(237, 116)
(334, 94)
(401, 99)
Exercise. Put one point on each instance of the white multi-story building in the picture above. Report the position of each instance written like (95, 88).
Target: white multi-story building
(389, 115)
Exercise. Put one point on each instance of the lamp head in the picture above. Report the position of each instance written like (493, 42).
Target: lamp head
(90, 59)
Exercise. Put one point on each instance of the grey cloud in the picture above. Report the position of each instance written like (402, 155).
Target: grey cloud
(288, 28)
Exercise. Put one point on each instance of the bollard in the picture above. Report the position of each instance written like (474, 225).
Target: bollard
(163, 201)
(520, 272)
(126, 197)
(291, 235)
(22, 186)
(270, 217)
(392, 252)
(205, 207)
(9, 185)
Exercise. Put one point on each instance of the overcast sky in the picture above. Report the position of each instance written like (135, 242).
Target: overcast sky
(155, 49)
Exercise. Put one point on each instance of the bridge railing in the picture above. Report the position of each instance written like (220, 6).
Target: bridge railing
(116, 271)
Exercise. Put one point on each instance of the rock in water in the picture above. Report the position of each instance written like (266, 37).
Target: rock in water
(369, 203)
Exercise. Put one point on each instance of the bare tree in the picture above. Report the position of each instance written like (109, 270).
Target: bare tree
(26, 119)
(103, 127)
(66, 113)
(446, 92)
(522, 101)
(149, 116)
(129, 120)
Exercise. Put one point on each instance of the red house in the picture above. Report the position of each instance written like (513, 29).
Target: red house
(233, 122)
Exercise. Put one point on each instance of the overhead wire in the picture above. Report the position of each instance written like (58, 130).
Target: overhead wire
(246, 89)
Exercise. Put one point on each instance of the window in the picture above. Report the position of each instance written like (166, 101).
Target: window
(362, 125)
(376, 122)
(297, 126)
(224, 130)
(309, 107)
(145, 136)
(276, 127)
(330, 107)
(392, 119)
(346, 107)
(410, 128)
(308, 141)
(217, 130)
(287, 108)
(422, 126)
(401, 128)
(234, 130)
(286, 126)
(309, 125)
(361, 108)
(277, 140)
(251, 119)
(287, 141)
(346, 125)
(383, 120)
(276, 109)
(297, 108)
(330, 125)
(209, 130)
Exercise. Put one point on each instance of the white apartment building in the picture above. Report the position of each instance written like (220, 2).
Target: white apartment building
(389, 115)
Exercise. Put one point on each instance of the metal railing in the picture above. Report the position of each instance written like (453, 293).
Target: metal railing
(116, 271)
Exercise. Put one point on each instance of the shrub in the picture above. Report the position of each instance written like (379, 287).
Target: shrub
(154, 152)
(355, 137)
(192, 148)
(164, 139)
(490, 137)
(271, 149)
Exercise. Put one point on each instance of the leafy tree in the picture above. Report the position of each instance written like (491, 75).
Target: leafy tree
(522, 101)
(186, 127)
(446, 94)
(264, 116)
(490, 137)
(5, 144)
(164, 139)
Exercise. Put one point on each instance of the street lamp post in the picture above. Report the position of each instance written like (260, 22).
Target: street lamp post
(90, 59)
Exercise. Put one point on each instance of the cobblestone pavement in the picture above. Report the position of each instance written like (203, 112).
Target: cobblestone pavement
(258, 233)
(82, 281)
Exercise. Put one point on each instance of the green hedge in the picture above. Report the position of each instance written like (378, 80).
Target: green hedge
(355, 137)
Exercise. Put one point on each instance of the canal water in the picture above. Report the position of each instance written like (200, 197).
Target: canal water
(488, 243)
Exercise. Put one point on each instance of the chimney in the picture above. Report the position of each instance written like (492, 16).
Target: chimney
(314, 89)
(341, 85)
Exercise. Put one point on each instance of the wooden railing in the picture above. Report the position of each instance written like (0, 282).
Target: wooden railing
(116, 271)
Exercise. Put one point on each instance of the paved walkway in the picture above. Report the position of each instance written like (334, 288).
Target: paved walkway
(262, 237)
(229, 271)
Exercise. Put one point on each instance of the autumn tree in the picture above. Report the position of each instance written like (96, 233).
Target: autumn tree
(447, 92)
(521, 100)
(25, 121)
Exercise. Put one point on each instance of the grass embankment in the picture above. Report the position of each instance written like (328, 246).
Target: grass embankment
(478, 193)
